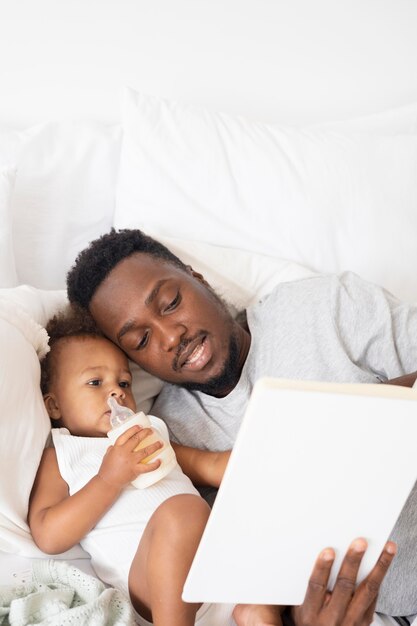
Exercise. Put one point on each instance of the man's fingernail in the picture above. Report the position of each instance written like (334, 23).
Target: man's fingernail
(359, 545)
(327, 554)
(391, 548)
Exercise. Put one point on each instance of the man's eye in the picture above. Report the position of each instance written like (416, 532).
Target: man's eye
(124, 384)
(174, 303)
(95, 382)
(142, 343)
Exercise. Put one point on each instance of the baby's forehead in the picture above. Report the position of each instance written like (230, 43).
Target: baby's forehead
(85, 347)
(82, 340)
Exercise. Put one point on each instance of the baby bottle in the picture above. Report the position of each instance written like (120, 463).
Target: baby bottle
(121, 419)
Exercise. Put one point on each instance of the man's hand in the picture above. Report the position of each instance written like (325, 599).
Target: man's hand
(347, 604)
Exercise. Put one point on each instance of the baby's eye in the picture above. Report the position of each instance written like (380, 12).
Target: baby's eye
(95, 382)
(124, 384)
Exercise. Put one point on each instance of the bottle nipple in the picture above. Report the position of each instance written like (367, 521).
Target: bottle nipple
(119, 414)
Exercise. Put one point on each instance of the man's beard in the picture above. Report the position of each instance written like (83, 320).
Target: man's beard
(228, 378)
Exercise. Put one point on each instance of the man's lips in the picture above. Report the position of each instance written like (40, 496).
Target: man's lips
(195, 355)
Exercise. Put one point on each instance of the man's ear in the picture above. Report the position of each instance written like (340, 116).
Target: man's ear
(198, 276)
(52, 406)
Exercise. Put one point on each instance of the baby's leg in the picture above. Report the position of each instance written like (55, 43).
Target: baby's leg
(163, 558)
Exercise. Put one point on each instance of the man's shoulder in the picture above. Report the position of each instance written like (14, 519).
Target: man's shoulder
(316, 282)
(300, 285)
(316, 293)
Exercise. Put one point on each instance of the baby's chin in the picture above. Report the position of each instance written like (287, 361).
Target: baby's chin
(94, 434)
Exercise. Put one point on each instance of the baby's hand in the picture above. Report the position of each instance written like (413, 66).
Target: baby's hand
(122, 462)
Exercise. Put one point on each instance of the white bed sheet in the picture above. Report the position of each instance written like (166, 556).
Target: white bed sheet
(16, 569)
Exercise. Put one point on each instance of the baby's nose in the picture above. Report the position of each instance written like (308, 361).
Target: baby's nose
(117, 393)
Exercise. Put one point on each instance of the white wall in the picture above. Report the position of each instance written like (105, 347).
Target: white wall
(289, 60)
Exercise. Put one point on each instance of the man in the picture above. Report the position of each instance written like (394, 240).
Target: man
(169, 321)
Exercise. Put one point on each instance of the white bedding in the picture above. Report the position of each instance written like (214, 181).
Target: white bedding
(76, 158)
(291, 63)
(14, 569)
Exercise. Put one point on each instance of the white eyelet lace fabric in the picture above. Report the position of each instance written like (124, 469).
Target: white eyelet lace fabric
(59, 594)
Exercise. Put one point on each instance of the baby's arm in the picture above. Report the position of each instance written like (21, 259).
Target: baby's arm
(57, 520)
(203, 467)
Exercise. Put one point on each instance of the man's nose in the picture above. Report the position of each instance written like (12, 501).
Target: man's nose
(171, 334)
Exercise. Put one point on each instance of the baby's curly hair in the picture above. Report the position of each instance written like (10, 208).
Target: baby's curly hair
(71, 322)
(102, 255)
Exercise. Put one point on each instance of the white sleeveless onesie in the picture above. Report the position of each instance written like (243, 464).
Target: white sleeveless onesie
(113, 542)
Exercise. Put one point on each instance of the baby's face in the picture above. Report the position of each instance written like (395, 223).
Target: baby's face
(88, 371)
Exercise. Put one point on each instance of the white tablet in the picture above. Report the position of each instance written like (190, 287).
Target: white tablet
(314, 465)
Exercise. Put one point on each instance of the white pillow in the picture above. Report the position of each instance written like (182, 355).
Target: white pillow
(402, 119)
(11, 141)
(64, 196)
(8, 275)
(24, 426)
(41, 304)
(327, 199)
(240, 277)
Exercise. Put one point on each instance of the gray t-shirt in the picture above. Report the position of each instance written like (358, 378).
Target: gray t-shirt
(328, 328)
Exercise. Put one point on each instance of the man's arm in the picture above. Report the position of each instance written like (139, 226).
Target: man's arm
(203, 467)
(407, 380)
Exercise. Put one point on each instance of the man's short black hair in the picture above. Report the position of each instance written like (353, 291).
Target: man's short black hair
(102, 255)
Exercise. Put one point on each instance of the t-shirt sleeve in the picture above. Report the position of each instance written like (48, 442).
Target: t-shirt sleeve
(378, 331)
(162, 408)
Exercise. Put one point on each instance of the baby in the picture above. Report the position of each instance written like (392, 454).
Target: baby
(140, 540)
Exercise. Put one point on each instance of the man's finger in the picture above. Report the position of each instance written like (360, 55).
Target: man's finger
(366, 594)
(369, 614)
(317, 584)
(345, 584)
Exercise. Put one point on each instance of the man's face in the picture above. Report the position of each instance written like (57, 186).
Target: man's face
(169, 322)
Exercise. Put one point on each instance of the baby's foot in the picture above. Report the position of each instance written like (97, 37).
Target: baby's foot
(257, 615)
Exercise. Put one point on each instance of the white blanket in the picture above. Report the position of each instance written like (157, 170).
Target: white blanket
(59, 594)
